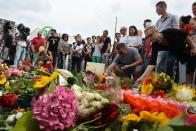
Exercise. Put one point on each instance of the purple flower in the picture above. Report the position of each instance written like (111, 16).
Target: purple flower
(56, 111)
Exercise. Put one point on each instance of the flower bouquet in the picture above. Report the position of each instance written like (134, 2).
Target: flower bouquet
(157, 85)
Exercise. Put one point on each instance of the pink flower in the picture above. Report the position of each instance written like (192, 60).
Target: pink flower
(190, 120)
(56, 111)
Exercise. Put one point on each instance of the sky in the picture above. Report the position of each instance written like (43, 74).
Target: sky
(87, 17)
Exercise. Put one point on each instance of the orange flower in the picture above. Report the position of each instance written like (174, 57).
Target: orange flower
(139, 104)
(102, 78)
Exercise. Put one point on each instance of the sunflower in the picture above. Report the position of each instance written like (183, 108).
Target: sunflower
(3, 79)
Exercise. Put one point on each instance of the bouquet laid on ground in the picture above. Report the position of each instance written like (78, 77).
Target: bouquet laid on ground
(157, 85)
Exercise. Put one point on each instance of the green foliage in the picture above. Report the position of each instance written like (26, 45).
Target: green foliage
(26, 123)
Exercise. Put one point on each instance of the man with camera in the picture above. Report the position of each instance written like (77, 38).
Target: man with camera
(7, 40)
(22, 43)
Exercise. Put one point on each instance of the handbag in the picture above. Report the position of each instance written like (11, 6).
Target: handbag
(76, 55)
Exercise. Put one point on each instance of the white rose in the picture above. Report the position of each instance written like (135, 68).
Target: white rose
(85, 112)
(104, 101)
(76, 87)
(78, 94)
(11, 119)
(97, 104)
(97, 96)
(19, 115)
(92, 110)
(89, 95)
(85, 102)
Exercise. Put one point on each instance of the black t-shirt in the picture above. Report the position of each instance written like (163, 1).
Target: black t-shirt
(106, 43)
(8, 41)
(175, 38)
(156, 47)
(53, 43)
(175, 42)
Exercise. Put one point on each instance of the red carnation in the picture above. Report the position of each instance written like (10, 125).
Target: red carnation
(8, 100)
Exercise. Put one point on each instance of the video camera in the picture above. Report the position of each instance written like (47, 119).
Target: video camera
(24, 31)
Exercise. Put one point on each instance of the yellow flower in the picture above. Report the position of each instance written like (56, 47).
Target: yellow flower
(160, 118)
(3, 79)
(147, 89)
(7, 85)
(45, 80)
(131, 117)
(146, 116)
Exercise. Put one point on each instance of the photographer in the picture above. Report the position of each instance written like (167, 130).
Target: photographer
(7, 41)
(22, 43)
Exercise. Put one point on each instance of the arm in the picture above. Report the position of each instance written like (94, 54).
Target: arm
(109, 69)
(175, 22)
(192, 43)
(49, 56)
(149, 70)
(32, 46)
(136, 63)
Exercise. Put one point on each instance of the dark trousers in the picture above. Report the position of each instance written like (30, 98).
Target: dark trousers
(54, 55)
(76, 61)
(87, 59)
(61, 60)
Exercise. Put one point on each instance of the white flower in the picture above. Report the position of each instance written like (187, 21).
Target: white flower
(97, 104)
(184, 94)
(62, 81)
(11, 119)
(1, 93)
(92, 110)
(19, 115)
(76, 87)
(97, 96)
(104, 101)
(78, 94)
(85, 102)
(89, 96)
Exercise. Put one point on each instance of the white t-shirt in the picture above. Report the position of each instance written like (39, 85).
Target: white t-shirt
(22, 43)
(134, 40)
(78, 47)
(123, 39)
(97, 51)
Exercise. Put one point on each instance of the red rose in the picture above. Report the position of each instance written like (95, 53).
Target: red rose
(8, 100)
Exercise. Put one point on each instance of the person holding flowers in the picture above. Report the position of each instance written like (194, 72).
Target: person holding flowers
(125, 62)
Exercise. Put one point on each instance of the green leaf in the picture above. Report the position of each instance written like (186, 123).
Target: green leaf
(165, 128)
(41, 72)
(26, 123)
(51, 88)
(177, 121)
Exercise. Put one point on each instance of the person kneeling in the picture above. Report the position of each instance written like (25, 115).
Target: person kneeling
(125, 62)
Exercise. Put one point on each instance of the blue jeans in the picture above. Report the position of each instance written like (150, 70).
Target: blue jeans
(20, 54)
(165, 63)
(35, 58)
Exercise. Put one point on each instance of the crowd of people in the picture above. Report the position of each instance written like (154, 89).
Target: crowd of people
(169, 46)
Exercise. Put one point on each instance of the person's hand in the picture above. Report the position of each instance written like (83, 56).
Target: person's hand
(125, 67)
(105, 73)
(193, 51)
(138, 81)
